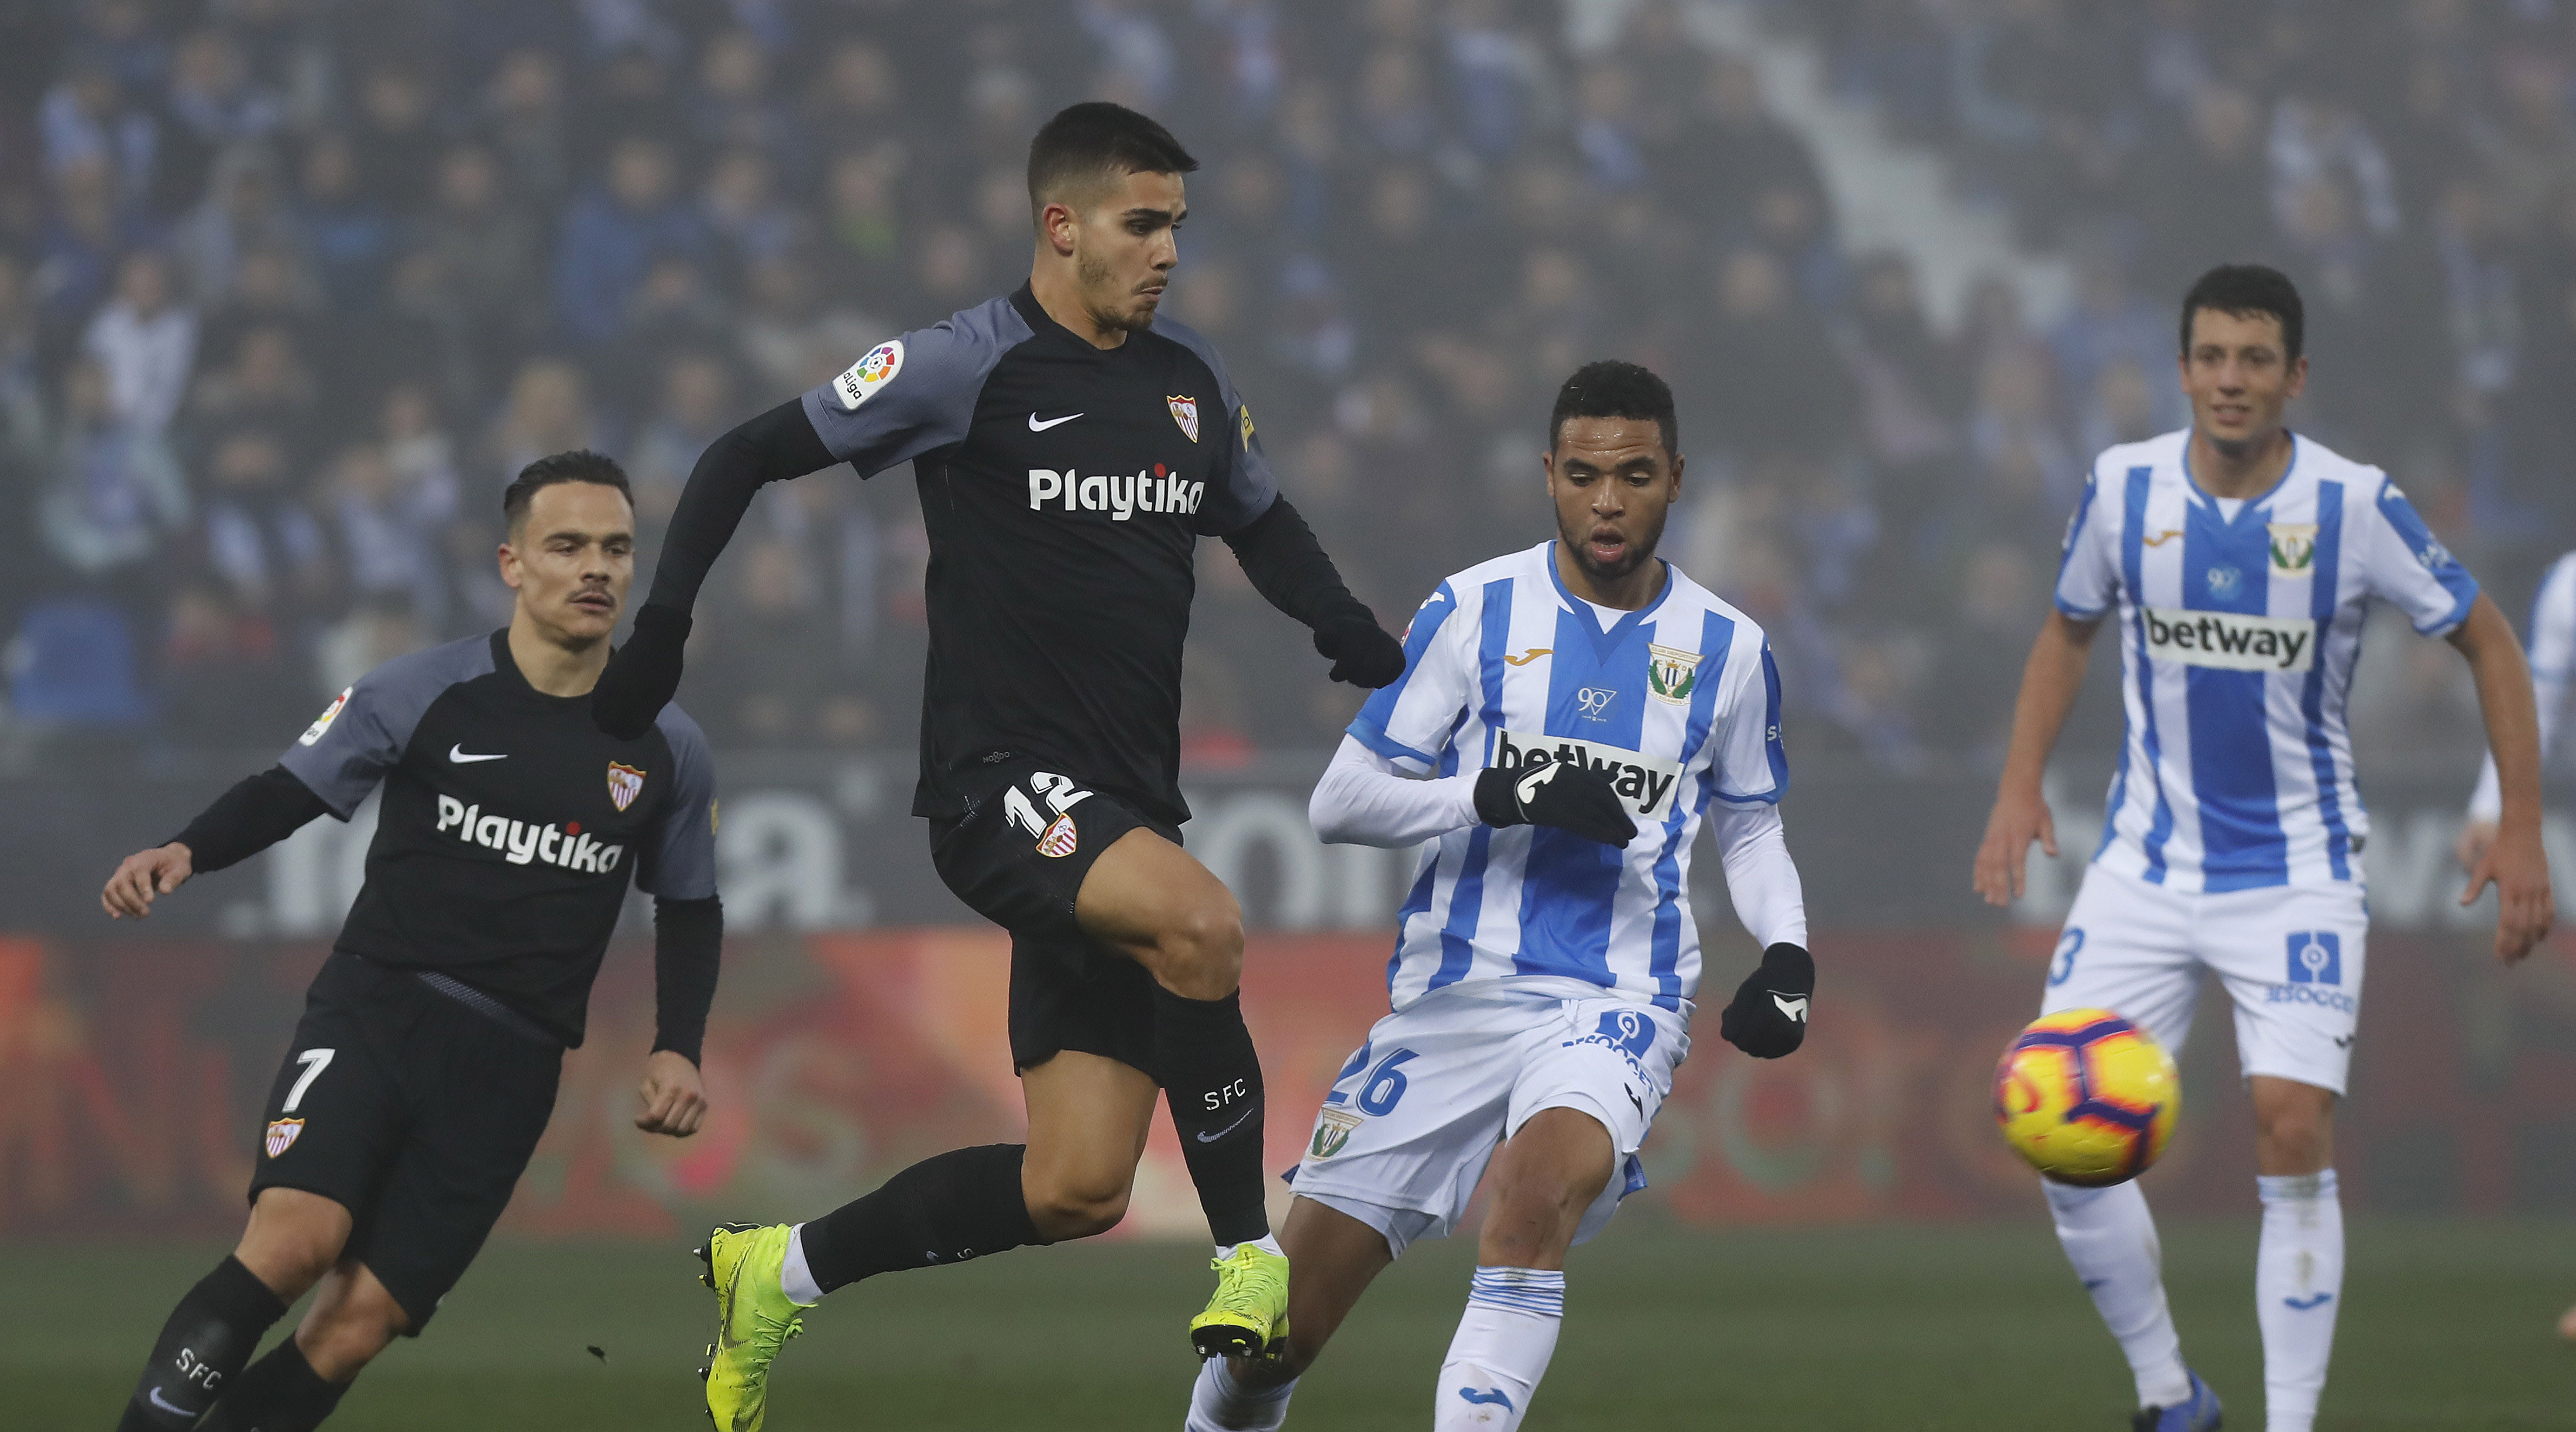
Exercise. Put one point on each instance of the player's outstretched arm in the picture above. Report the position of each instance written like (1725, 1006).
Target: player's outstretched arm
(644, 674)
(1769, 1015)
(2514, 862)
(2049, 683)
(258, 812)
(1364, 799)
(1290, 570)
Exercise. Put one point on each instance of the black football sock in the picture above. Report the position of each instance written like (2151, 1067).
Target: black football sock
(948, 1208)
(280, 1393)
(209, 1336)
(1212, 1079)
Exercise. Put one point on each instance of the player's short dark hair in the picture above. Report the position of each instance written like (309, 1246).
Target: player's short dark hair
(1094, 139)
(2244, 290)
(555, 469)
(1609, 388)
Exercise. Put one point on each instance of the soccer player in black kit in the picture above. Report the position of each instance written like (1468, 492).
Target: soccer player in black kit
(424, 1069)
(1070, 448)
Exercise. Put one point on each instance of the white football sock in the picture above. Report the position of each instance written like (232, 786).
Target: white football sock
(1219, 1404)
(1504, 1341)
(2298, 1287)
(1267, 1243)
(2111, 1239)
(795, 1279)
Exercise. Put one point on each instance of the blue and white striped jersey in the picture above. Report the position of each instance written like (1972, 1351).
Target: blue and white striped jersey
(1679, 704)
(2238, 633)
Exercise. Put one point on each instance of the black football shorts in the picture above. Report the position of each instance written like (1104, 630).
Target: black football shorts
(414, 1112)
(1018, 857)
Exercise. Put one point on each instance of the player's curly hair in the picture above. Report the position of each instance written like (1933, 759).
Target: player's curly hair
(578, 465)
(2244, 290)
(1097, 138)
(1609, 388)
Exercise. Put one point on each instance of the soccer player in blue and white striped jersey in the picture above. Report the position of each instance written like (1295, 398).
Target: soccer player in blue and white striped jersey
(2237, 561)
(1569, 717)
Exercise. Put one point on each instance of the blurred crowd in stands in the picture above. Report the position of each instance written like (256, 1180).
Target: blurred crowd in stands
(290, 288)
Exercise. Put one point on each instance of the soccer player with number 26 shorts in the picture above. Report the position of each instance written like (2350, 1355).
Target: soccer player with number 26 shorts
(1569, 717)
(1071, 447)
(2237, 561)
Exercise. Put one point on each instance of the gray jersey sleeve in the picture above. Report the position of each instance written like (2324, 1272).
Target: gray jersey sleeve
(361, 734)
(679, 862)
(1246, 488)
(913, 394)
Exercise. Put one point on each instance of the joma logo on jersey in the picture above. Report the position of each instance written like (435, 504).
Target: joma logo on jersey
(1646, 784)
(1120, 496)
(521, 843)
(2230, 641)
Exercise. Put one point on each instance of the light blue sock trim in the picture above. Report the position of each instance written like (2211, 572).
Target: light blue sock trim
(1537, 1292)
(2295, 1187)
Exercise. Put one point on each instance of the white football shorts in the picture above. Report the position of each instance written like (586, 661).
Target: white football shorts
(1417, 1112)
(2291, 957)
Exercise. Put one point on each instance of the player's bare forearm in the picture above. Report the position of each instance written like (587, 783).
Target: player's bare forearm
(2514, 861)
(2050, 681)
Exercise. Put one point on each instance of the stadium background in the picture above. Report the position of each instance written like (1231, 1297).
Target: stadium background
(290, 288)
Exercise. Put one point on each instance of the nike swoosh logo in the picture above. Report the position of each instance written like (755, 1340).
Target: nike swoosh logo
(1794, 1008)
(1038, 427)
(1489, 1395)
(724, 1333)
(462, 757)
(168, 1406)
(1533, 654)
(1208, 1138)
(2162, 538)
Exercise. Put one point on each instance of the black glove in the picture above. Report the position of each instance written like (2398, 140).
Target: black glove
(1361, 651)
(642, 675)
(1769, 1015)
(1559, 793)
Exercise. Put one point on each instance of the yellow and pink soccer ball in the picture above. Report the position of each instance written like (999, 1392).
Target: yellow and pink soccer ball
(2086, 1097)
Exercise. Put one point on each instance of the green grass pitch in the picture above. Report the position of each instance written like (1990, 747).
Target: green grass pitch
(2446, 1326)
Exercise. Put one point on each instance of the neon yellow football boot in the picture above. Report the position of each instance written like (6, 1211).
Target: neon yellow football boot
(1250, 1310)
(754, 1318)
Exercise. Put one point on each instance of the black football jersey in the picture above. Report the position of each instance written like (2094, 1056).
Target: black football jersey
(510, 823)
(1064, 488)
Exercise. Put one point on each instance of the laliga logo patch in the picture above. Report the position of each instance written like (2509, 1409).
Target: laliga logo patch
(323, 722)
(625, 783)
(1060, 838)
(1185, 411)
(869, 374)
(281, 1135)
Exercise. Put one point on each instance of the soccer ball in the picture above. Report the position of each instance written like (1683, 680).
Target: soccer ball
(2086, 1097)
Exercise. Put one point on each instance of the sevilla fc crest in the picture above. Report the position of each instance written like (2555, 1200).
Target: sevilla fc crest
(281, 1135)
(625, 783)
(1060, 838)
(1185, 411)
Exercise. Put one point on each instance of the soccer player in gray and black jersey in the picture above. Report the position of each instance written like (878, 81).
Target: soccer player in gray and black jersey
(424, 1069)
(1071, 447)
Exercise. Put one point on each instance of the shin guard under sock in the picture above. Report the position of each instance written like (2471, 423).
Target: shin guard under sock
(2111, 1239)
(209, 1336)
(1212, 1078)
(948, 1208)
(2298, 1289)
